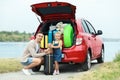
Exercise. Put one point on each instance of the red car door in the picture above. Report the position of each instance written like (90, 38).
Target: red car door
(94, 40)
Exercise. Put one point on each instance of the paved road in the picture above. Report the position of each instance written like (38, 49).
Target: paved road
(67, 72)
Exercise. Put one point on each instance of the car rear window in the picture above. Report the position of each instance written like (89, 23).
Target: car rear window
(54, 10)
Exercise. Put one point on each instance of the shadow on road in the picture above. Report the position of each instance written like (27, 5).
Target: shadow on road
(71, 68)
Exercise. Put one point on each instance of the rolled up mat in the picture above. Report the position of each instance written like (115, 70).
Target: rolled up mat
(44, 42)
(68, 36)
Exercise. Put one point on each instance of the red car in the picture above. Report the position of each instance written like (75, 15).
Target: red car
(86, 45)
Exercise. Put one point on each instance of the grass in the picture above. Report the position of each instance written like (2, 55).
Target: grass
(9, 65)
(117, 58)
(106, 71)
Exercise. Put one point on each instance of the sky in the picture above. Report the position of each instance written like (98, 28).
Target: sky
(103, 14)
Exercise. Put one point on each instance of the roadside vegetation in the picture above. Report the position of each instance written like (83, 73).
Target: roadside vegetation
(106, 71)
(9, 65)
(14, 36)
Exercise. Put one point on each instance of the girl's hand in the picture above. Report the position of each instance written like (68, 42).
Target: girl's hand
(52, 46)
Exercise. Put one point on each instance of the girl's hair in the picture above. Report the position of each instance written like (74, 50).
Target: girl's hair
(58, 33)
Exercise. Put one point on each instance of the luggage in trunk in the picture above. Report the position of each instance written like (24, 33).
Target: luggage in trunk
(68, 36)
(44, 42)
(51, 35)
(48, 64)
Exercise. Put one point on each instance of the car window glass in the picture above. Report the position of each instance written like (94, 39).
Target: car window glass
(85, 27)
(91, 29)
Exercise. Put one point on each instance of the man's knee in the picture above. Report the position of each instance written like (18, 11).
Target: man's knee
(42, 60)
(37, 60)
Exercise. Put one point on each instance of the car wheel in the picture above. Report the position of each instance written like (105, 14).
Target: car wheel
(101, 58)
(87, 64)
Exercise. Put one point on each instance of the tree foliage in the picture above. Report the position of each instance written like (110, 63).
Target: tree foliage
(14, 36)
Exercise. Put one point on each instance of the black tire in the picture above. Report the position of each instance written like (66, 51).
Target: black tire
(101, 58)
(87, 64)
(36, 69)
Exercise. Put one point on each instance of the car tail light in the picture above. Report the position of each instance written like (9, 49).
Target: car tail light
(79, 41)
(32, 37)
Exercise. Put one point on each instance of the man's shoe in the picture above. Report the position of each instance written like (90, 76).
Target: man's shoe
(26, 71)
(30, 70)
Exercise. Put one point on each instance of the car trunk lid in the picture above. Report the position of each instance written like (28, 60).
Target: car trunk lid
(54, 10)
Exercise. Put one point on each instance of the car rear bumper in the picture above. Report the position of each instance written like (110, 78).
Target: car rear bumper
(75, 54)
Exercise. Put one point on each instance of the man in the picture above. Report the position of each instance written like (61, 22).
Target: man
(32, 56)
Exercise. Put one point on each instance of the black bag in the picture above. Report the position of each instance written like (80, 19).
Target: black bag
(48, 64)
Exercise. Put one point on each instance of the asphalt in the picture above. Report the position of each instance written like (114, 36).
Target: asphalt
(66, 73)
(39, 76)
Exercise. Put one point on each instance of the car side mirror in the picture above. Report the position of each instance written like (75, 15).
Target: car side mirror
(99, 32)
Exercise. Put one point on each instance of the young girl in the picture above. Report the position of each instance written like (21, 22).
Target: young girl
(57, 51)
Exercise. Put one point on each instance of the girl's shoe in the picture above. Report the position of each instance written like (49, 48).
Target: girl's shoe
(54, 73)
(57, 72)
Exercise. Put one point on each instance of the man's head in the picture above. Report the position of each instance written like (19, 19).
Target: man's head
(39, 37)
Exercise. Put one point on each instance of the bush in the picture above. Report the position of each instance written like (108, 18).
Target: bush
(14, 36)
(117, 57)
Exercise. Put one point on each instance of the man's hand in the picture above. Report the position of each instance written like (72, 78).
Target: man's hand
(49, 45)
(41, 50)
(48, 51)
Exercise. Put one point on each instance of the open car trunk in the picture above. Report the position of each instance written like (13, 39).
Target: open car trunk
(45, 28)
(51, 14)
